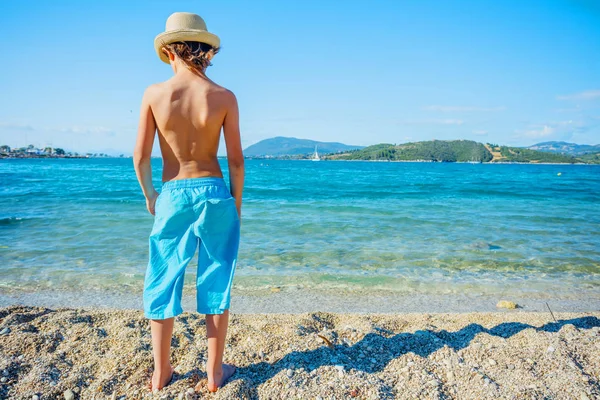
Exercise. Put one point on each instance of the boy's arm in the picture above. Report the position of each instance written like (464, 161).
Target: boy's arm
(143, 152)
(235, 157)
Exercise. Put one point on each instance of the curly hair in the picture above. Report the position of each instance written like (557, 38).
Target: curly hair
(194, 54)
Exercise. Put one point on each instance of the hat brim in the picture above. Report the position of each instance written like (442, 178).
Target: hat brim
(182, 35)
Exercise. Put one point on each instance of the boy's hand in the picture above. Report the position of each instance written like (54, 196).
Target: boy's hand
(151, 202)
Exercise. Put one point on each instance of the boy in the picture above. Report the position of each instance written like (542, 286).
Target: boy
(195, 208)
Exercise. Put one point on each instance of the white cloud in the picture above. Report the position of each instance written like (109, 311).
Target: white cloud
(16, 127)
(451, 122)
(538, 133)
(86, 129)
(432, 122)
(557, 130)
(480, 132)
(462, 108)
(585, 95)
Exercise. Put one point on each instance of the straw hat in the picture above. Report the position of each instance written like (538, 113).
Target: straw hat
(183, 26)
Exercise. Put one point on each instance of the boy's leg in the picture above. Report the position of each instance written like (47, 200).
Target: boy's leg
(162, 330)
(218, 228)
(216, 332)
(172, 246)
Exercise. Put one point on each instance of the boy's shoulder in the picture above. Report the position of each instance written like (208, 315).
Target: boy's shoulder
(153, 90)
(225, 95)
(220, 89)
(158, 89)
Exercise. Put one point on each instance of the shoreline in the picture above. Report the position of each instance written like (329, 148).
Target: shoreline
(420, 161)
(307, 159)
(277, 301)
(55, 353)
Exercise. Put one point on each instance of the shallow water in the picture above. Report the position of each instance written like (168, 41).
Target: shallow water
(398, 228)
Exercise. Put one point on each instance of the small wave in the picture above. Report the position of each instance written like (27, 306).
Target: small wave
(10, 220)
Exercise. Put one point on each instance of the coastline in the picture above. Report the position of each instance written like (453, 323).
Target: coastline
(420, 161)
(75, 353)
(277, 301)
(324, 158)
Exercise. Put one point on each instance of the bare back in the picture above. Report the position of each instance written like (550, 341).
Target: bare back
(189, 112)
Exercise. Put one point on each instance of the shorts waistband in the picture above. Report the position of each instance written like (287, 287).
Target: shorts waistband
(193, 182)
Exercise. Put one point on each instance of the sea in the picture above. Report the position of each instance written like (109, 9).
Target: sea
(329, 235)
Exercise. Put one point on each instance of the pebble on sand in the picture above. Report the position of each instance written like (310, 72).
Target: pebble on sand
(407, 363)
(5, 331)
(507, 304)
(69, 395)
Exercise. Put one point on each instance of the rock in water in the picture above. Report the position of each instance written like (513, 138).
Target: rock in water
(507, 304)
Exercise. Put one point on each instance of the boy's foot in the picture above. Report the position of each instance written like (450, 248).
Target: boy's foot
(159, 381)
(215, 382)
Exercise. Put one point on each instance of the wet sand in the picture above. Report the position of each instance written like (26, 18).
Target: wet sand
(104, 354)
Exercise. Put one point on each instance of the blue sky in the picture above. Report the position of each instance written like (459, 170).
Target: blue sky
(509, 72)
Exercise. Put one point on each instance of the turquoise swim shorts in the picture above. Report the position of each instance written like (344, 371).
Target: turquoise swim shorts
(192, 213)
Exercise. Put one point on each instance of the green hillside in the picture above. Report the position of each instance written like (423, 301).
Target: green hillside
(436, 150)
(590, 158)
(518, 154)
(455, 151)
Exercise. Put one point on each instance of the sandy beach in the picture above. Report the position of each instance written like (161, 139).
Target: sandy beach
(106, 354)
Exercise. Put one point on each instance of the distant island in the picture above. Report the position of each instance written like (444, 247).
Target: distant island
(289, 147)
(429, 151)
(47, 152)
(566, 148)
(455, 151)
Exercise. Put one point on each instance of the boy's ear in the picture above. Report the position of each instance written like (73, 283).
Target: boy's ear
(168, 54)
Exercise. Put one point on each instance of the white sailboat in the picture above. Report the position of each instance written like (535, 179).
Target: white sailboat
(316, 155)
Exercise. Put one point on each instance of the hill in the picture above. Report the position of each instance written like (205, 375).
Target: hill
(519, 154)
(572, 149)
(288, 146)
(435, 150)
(453, 151)
(590, 158)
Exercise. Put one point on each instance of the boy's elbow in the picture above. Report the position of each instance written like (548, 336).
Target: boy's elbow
(139, 157)
(236, 162)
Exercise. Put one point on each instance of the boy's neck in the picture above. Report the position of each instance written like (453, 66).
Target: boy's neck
(181, 70)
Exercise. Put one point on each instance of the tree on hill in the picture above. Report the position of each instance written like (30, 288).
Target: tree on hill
(437, 150)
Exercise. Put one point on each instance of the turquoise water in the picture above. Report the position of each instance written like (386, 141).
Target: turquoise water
(405, 228)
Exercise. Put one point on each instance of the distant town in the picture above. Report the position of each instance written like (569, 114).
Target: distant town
(47, 152)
